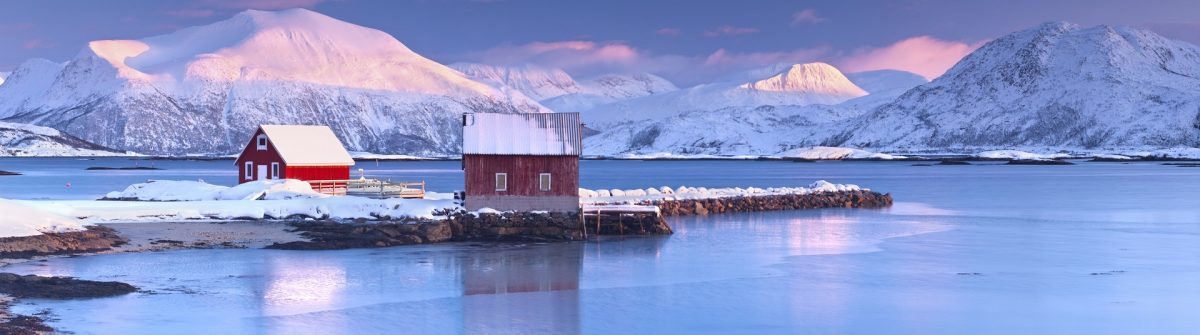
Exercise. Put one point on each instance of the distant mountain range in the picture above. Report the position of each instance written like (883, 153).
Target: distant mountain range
(202, 90)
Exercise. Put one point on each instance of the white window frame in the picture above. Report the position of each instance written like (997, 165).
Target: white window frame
(549, 179)
(249, 173)
(261, 142)
(275, 170)
(499, 176)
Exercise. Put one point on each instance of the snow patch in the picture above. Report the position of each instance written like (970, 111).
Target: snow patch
(836, 153)
(19, 219)
(634, 196)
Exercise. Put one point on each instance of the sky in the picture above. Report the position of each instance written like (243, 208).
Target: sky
(688, 42)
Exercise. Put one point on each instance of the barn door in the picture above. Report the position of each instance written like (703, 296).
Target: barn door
(262, 173)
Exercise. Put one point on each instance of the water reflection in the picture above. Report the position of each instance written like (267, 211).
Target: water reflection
(527, 291)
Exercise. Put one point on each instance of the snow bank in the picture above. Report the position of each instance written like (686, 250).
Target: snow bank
(344, 207)
(18, 219)
(835, 153)
(589, 197)
(1176, 153)
(676, 156)
(1020, 155)
(184, 190)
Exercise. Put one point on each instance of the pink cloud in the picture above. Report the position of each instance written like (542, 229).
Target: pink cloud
(561, 54)
(923, 55)
(36, 43)
(191, 13)
(669, 31)
(807, 16)
(728, 30)
(264, 4)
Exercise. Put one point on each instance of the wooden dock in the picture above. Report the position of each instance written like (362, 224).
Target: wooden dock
(370, 188)
(622, 220)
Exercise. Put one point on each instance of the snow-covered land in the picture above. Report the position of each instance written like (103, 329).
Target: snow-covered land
(1019, 155)
(204, 89)
(21, 220)
(173, 200)
(558, 91)
(634, 196)
(836, 153)
(18, 139)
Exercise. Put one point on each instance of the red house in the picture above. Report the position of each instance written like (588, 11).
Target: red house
(522, 162)
(308, 153)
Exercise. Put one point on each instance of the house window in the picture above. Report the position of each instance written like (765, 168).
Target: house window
(501, 182)
(249, 173)
(274, 170)
(262, 142)
(544, 182)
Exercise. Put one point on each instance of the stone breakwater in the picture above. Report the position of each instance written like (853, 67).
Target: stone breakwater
(457, 227)
(843, 199)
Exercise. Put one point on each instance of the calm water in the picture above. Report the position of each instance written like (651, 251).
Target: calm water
(1089, 248)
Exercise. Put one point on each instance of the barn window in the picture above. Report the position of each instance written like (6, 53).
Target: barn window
(274, 170)
(262, 142)
(502, 182)
(544, 182)
(249, 170)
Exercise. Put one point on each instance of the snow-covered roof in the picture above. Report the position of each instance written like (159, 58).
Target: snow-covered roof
(307, 145)
(545, 134)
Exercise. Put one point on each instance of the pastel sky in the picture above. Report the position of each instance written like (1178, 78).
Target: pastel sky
(686, 41)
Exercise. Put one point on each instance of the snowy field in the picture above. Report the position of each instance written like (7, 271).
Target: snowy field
(1097, 248)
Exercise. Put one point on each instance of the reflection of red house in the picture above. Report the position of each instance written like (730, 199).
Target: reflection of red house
(522, 161)
(294, 152)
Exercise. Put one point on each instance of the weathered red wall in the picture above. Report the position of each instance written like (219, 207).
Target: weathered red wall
(252, 154)
(523, 174)
(317, 172)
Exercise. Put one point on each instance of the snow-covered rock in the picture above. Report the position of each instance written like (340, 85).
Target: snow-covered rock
(685, 192)
(25, 140)
(3, 75)
(835, 153)
(185, 190)
(20, 219)
(1055, 85)
(204, 89)
(1019, 155)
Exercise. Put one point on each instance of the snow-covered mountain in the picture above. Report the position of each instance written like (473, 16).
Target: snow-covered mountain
(3, 75)
(796, 85)
(558, 91)
(28, 140)
(1055, 85)
(204, 89)
(536, 82)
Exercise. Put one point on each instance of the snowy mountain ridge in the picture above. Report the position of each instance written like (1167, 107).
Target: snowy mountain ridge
(204, 89)
(28, 140)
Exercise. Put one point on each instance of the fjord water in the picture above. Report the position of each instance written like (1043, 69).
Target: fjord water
(1088, 248)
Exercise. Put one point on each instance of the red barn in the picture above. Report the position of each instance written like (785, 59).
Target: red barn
(522, 161)
(294, 152)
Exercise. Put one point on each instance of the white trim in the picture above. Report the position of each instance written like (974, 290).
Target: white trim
(261, 142)
(549, 179)
(275, 170)
(248, 171)
(497, 182)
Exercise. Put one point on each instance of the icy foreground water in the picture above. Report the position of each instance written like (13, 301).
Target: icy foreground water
(1095, 248)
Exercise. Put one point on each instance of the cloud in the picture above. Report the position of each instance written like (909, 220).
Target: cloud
(669, 31)
(728, 30)
(923, 55)
(263, 4)
(36, 43)
(724, 58)
(807, 16)
(190, 13)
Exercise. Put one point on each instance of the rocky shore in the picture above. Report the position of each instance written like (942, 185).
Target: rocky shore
(30, 286)
(94, 239)
(846, 199)
(458, 227)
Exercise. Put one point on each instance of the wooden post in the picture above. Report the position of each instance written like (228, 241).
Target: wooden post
(582, 223)
(620, 224)
(597, 222)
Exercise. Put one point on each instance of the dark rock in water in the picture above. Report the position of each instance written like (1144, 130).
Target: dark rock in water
(104, 168)
(94, 239)
(922, 164)
(953, 162)
(1039, 162)
(8, 173)
(1183, 164)
(32, 286)
(802, 160)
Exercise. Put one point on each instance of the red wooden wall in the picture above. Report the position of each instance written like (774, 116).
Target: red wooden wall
(523, 171)
(317, 172)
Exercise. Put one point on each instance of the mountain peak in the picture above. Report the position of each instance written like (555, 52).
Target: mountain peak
(817, 77)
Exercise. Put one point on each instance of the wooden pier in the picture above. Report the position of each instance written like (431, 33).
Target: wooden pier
(622, 220)
(370, 188)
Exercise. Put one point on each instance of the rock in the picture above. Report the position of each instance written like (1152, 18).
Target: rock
(32, 286)
(8, 173)
(94, 239)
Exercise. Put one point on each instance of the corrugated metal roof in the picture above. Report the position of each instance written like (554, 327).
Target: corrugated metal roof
(522, 134)
(307, 145)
